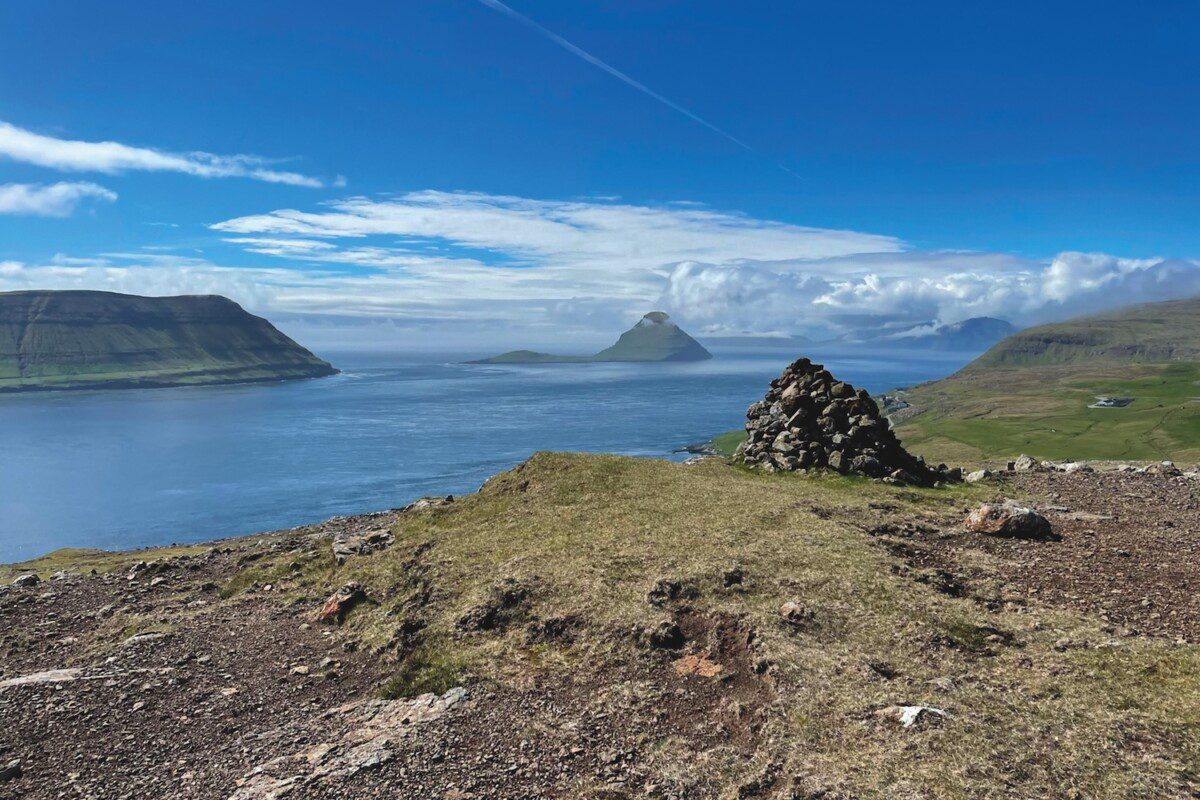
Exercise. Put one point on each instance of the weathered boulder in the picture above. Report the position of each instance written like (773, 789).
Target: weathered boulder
(1025, 463)
(1009, 519)
(27, 580)
(979, 475)
(810, 420)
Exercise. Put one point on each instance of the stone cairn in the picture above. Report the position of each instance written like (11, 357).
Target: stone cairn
(810, 420)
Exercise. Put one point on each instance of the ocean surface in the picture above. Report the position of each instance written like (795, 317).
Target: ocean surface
(133, 468)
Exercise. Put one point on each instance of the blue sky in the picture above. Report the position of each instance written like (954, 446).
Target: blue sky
(456, 170)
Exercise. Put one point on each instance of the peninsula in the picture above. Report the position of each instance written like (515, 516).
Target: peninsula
(104, 340)
(654, 338)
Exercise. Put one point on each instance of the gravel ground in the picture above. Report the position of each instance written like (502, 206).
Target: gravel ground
(1127, 553)
(162, 689)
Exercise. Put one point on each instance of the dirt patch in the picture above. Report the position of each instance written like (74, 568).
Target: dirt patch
(1127, 554)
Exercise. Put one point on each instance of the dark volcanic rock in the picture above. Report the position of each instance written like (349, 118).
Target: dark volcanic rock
(809, 420)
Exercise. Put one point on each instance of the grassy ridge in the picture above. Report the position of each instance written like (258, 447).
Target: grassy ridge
(1151, 333)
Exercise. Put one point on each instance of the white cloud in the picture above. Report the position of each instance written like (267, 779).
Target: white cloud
(70, 155)
(467, 254)
(56, 200)
(818, 299)
(613, 237)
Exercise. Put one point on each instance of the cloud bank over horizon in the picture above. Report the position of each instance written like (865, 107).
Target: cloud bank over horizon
(506, 265)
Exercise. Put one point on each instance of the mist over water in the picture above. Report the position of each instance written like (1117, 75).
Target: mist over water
(133, 468)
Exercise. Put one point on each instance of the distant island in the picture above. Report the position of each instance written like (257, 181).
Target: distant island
(105, 340)
(654, 338)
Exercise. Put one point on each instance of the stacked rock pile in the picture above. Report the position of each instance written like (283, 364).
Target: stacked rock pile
(810, 420)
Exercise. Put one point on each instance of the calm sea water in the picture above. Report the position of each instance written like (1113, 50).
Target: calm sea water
(132, 468)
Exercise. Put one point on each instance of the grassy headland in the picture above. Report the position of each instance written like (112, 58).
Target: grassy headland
(78, 339)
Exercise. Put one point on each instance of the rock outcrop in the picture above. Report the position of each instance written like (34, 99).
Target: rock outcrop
(810, 420)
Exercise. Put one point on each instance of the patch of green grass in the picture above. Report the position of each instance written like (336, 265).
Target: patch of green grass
(727, 443)
(433, 667)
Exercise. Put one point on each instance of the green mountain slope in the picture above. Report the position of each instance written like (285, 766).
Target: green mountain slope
(1152, 333)
(1033, 392)
(654, 338)
(83, 339)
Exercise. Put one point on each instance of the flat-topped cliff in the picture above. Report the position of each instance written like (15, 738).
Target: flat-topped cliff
(86, 339)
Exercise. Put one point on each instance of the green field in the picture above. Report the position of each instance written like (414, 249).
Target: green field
(994, 415)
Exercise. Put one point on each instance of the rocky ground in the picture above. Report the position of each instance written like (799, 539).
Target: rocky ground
(179, 678)
(148, 683)
(1125, 549)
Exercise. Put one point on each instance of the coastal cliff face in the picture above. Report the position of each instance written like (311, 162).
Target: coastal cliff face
(84, 339)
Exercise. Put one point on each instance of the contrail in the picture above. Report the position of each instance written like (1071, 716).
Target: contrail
(496, 5)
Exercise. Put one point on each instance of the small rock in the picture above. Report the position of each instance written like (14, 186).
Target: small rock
(340, 603)
(11, 771)
(979, 475)
(910, 716)
(795, 614)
